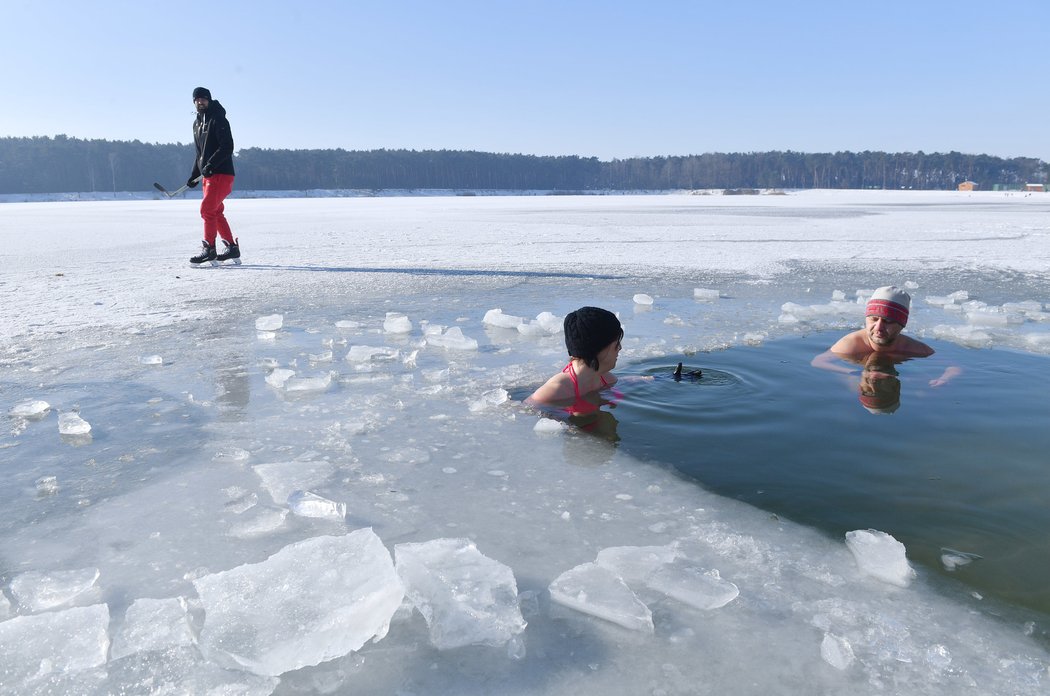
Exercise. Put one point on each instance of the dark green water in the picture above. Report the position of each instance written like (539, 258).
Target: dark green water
(963, 466)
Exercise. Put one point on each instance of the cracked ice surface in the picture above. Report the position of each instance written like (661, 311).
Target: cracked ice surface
(182, 489)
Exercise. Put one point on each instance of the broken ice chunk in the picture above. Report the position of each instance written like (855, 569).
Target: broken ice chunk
(278, 377)
(52, 643)
(178, 670)
(692, 585)
(881, 556)
(496, 317)
(72, 424)
(494, 397)
(362, 354)
(705, 294)
(643, 299)
(281, 479)
(545, 324)
(151, 360)
(41, 591)
(270, 322)
(261, 521)
(307, 504)
(465, 597)
(47, 485)
(836, 651)
(549, 425)
(396, 323)
(952, 559)
(452, 339)
(310, 602)
(152, 625)
(598, 591)
(30, 408)
(635, 563)
(309, 384)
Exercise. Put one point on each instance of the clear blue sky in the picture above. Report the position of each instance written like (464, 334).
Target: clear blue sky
(596, 78)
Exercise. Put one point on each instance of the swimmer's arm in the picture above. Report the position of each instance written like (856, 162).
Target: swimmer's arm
(632, 378)
(950, 373)
(832, 362)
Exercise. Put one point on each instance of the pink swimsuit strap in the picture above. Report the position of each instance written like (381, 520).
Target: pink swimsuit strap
(571, 371)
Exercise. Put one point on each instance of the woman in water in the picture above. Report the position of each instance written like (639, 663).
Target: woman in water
(592, 337)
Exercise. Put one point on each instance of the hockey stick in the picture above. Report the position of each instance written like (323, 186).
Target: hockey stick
(172, 194)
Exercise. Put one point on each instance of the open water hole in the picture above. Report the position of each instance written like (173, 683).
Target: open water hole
(958, 473)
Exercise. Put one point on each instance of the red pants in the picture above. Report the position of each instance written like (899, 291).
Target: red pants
(216, 187)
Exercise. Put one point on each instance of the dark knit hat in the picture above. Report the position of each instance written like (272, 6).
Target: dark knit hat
(588, 331)
(199, 92)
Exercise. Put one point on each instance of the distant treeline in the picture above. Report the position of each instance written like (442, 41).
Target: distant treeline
(63, 164)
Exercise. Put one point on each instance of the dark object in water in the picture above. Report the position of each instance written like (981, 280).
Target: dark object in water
(692, 374)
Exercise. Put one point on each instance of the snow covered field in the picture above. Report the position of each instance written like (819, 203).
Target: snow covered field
(304, 475)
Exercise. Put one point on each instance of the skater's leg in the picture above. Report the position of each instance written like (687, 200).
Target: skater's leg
(216, 188)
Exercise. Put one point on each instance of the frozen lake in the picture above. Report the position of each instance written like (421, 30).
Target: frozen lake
(249, 425)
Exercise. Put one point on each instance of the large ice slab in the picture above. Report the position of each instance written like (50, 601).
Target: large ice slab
(42, 645)
(153, 625)
(636, 563)
(38, 591)
(596, 590)
(693, 585)
(465, 597)
(30, 408)
(179, 671)
(310, 602)
(281, 479)
(72, 424)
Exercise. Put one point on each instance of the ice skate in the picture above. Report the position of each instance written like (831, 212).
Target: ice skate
(232, 252)
(207, 255)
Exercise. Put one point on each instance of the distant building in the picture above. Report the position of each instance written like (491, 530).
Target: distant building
(1034, 187)
(967, 186)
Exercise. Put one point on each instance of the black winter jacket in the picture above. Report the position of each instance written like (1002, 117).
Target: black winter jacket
(214, 141)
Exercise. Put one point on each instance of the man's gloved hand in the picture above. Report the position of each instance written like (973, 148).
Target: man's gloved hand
(191, 182)
(208, 170)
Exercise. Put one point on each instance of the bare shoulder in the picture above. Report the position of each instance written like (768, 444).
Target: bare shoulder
(917, 348)
(851, 344)
(557, 388)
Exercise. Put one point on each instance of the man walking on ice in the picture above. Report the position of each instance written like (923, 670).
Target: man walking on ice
(214, 163)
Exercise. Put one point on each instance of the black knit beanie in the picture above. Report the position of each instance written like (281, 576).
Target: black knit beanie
(201, 92)
(588, 331)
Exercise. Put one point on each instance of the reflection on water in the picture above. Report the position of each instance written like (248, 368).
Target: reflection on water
(957, 465)
(880, 387)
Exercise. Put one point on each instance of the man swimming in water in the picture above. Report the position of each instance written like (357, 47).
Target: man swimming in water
(886, 315)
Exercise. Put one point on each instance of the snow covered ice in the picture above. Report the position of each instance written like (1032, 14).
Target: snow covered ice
(175, 556)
